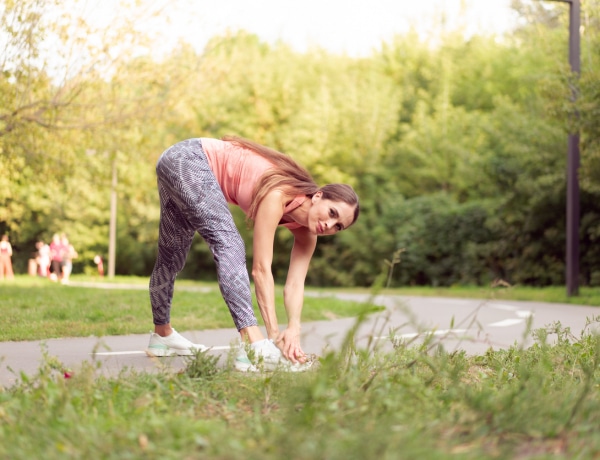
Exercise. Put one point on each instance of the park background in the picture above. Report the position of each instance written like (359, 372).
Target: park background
(455, 141)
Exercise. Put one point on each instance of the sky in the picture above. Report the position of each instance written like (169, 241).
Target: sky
(352, 26)
(342, 26)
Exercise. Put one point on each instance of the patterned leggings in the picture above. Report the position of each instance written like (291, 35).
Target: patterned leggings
(191, 200)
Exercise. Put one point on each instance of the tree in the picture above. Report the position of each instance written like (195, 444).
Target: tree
(67, 88)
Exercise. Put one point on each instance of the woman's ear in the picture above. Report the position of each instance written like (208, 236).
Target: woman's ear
(317, 196)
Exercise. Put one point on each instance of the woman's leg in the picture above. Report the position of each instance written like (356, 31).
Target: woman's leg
(195, 198)
(174, 241)
(11, 273)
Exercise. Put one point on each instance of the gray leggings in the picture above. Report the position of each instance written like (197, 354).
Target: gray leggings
(191, 200)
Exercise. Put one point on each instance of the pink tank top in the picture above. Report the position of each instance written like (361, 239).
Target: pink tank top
(238, 170)
(295, 203)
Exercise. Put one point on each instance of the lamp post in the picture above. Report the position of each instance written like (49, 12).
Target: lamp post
(572, 259)
(573, 162)
(112, 226)
(112, 233)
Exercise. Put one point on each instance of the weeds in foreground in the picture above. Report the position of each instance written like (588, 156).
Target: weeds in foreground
(201, 365)
(415, 400)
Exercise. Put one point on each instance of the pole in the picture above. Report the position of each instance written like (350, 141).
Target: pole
(573, 214)
(112, 237)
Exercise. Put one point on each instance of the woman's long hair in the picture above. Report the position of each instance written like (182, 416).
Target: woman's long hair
(289, 176)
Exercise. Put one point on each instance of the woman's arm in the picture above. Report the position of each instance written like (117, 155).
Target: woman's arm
(293, 293)
(267, 219)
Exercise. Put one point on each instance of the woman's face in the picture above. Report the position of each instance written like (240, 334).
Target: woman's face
(326, 217)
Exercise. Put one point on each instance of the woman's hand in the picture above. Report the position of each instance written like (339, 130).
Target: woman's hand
(288, 342)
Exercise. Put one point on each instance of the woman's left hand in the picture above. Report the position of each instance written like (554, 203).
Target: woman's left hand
(288, 342)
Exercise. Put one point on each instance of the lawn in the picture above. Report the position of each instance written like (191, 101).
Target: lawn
(35, 308)
(417, 401)
(589, 296)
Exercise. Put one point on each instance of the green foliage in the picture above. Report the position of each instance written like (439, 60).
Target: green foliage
(441, 239)
(417, 399)
(470, 130)
(201, 365)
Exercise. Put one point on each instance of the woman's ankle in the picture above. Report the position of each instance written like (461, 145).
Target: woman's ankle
(251, 334)
(163, 329)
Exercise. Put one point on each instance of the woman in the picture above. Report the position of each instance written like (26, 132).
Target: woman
(197, 178)
(6, 252)
(43, 259)
(69, 253)
(56, 257)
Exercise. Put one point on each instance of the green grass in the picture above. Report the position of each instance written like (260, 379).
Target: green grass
(589, 296)
(36, 309)
(416, 401)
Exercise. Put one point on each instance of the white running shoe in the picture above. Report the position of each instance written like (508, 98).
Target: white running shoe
(242, 362)
(172, 345)
(266, 356)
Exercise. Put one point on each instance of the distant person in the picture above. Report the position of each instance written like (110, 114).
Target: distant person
(69, 253)
(6, 252)
(43, 259)
(32, 267)
(57, 251)
(100, 263)
(197, 178)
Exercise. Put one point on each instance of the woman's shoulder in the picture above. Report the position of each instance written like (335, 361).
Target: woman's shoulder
(287, 196)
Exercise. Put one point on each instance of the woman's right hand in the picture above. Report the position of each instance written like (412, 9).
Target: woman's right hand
(288, 342)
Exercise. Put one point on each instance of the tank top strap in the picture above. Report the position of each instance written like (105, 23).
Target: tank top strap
(295, 203)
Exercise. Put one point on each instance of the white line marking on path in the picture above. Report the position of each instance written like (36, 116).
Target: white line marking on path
(411, 335)
(118, 353)
(524, 313)
(499, 306)
(115, 353)
(517, 311)
(507, 322)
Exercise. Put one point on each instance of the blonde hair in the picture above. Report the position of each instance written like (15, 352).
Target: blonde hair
(289, 177)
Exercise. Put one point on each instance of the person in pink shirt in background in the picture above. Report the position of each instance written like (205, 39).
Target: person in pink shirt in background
(57, 250)
(197, 178)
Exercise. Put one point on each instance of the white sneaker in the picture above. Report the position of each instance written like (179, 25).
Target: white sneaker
(266, 356)
(242, 362)
(172, 345)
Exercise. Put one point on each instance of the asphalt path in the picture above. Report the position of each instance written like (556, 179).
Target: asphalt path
(457, 324)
